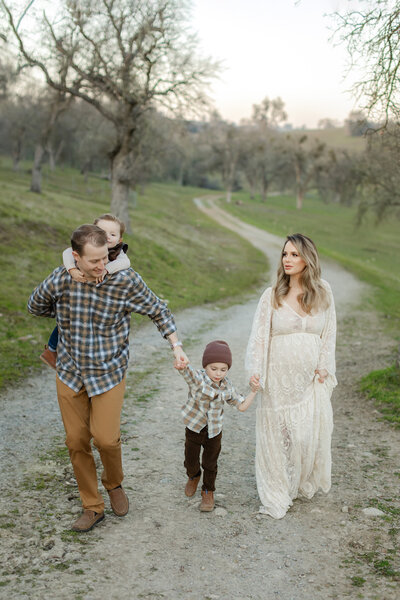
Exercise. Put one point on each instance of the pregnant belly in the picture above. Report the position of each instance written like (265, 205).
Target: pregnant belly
(293, 359)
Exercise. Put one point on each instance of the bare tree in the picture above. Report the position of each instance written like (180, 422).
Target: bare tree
(259, 140)
(225, 142)
(339, 176)
(57, 103)
(328, 123)
(371, 33)
(380, 190)
(305, 158)
(123, 57)
(269, 113)
(250, 163)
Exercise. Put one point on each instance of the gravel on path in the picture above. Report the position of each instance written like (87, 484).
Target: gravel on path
(326, 548)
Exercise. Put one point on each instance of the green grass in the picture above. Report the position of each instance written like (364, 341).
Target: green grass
(336, 138)
(384, 388)
(181, 254)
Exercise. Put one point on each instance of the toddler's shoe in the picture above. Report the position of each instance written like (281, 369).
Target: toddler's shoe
(207, 501)
(191, 486)
(49, 357)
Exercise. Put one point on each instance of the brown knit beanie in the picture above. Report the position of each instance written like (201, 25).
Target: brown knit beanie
(217, 352)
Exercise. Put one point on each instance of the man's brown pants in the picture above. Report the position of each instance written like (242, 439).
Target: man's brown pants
(99, 418)
(209, 460)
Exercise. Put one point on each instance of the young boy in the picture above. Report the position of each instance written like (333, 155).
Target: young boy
(119, 261)
(202, 414)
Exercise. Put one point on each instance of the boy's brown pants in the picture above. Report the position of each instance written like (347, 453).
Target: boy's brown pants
(99, 418)
(209, 461)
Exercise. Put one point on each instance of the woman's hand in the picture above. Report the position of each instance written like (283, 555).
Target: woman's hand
(322, 374)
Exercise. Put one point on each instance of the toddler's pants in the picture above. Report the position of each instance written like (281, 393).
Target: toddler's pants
(53, 340)
(211, 448)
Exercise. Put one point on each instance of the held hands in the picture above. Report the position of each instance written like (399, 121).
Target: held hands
(77, 275)
(322, 374)
(255, 383)
(181, 360)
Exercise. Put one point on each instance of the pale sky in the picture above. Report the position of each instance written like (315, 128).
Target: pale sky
(276, 48)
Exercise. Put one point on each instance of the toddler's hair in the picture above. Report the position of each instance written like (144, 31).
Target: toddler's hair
(110, 217)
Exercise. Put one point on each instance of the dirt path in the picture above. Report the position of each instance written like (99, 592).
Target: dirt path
(165, 548)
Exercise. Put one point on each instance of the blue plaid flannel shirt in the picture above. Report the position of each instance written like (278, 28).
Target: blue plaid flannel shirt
(94, 322)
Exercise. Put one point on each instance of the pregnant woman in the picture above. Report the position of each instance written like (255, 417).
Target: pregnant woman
(292, 352)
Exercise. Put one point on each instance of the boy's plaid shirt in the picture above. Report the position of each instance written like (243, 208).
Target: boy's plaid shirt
(94, 322)
(205, 403)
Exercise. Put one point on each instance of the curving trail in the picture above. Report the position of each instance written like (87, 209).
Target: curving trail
(347, 289)
(165, 548)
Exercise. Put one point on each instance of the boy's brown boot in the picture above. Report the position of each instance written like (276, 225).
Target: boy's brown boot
(191, 486)
(49, 357)
(207, 501)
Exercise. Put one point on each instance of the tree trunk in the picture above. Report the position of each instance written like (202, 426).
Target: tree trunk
(264, 192)
(299, 199)
(120, 188)
(52, 159)
(17, 153)
(228, 195)
(300, 188)
(180, 174)
(36, 181)
(16, 161)
(58, 151)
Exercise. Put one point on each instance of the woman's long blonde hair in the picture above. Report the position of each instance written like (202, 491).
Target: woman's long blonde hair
(314, 294)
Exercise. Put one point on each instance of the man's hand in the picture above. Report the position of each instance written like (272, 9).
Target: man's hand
(322, 374)
(77, 275)
(181, 360)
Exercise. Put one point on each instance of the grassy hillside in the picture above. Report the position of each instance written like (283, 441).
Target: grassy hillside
(371, 251)
(179, 252)
(336, 138)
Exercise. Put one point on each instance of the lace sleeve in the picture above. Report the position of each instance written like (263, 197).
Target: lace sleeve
(328, 336)
(257, 347)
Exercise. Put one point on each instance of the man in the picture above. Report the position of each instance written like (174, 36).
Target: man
(94, 321)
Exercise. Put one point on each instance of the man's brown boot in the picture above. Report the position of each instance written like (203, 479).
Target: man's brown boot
(49, 357)
(191, 486)
(119, 501)
(87, 521)
(207, 501)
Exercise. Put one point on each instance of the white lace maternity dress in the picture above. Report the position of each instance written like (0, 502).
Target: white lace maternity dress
(294, 414)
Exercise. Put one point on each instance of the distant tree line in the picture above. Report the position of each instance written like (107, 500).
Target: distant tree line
(114, 86)
(213, 153)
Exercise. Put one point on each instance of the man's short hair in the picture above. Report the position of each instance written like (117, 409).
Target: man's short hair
(88, 234)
